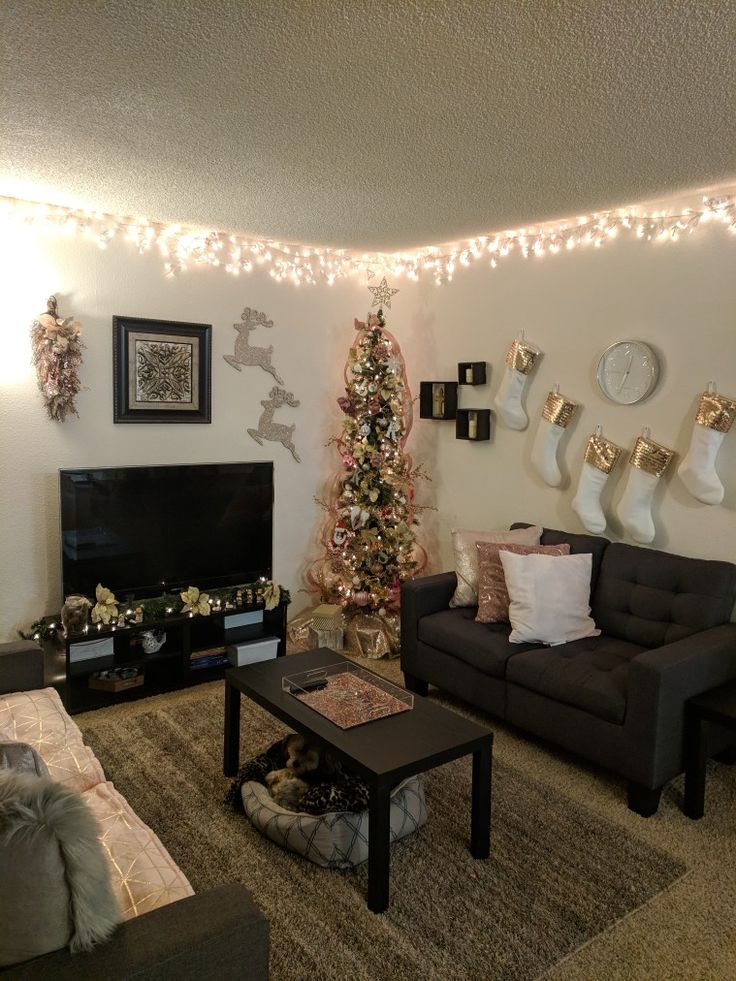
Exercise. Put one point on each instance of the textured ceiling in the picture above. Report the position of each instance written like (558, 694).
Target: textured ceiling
(364, 123)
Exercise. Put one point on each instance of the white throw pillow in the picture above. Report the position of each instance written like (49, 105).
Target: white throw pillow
(550, 597)
(466, 557)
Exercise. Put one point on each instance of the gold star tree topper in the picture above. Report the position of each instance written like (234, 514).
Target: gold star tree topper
(382, 294)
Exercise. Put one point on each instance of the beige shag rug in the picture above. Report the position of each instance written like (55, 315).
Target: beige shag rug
(559, 874)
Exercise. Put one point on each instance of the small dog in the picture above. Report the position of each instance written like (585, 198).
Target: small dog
(286, 788)
(302, 758)
(301, 755)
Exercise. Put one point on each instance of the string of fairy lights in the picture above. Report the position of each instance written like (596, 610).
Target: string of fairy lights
(182, 247)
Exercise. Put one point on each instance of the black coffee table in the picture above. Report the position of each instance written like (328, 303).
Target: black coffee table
(384, 752)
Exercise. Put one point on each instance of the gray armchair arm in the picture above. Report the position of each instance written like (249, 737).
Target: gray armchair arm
(663, 679)
(419, 598)
(220, 935)
(21, 666)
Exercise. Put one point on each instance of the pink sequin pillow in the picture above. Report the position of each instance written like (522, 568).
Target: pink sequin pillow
(493, 597)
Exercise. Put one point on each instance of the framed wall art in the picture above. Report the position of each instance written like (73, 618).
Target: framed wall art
(161, 371)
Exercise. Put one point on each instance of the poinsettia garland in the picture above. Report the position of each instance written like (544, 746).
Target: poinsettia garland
(192, 601)
(57, 354)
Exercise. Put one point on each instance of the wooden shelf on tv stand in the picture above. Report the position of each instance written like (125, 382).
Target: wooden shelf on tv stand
(169, 668)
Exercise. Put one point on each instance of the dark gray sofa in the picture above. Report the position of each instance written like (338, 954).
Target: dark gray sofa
(617, 699)
(214, 936)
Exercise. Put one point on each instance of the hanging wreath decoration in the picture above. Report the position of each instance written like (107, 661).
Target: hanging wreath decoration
(57, 354)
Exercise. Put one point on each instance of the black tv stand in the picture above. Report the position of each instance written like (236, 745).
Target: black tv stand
(170, 668)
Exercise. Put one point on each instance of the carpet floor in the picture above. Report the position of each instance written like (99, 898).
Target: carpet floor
(560, 874)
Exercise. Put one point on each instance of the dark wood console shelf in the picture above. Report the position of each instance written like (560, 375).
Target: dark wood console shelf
(171, 667)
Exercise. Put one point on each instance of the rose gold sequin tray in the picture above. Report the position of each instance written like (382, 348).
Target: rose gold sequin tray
(348, 695)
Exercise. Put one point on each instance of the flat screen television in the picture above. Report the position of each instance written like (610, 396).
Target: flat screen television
(142, 530)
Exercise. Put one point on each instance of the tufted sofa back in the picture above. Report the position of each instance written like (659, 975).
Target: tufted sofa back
(654, 598)
(578, 543)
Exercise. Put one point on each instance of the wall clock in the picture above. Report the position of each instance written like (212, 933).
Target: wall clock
(628, 372)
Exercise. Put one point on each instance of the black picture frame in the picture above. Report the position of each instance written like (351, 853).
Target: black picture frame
(162, 370)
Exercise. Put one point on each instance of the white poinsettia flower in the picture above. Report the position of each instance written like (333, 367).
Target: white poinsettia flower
(106, 607)
(195, 602)
(272, 595)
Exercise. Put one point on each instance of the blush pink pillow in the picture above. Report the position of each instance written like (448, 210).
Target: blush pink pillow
(493, 597)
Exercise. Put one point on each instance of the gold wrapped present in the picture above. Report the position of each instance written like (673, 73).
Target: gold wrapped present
(326, 638)
(328, 616)
(373, 636)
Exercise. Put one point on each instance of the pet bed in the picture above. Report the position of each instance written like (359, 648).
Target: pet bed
(338, 840)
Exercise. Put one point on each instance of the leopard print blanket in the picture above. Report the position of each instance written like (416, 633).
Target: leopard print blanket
(340, 791)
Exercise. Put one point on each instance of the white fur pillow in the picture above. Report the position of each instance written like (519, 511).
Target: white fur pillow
(466, 557)
(550, 597)
(55, 879)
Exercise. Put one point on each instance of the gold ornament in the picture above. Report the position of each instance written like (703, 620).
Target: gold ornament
(195, 602)
(382, 294)
(106, 607)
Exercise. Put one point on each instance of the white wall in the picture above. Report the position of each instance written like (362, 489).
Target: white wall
(679, 298)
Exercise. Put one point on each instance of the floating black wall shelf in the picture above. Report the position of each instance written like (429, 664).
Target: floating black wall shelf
(437, 399)
(473, 425)
(471, 372)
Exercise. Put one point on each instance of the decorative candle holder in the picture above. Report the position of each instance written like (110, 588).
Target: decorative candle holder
(75, 614)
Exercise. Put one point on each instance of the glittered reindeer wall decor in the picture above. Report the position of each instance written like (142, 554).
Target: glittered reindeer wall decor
(244, 354)
(273, 431)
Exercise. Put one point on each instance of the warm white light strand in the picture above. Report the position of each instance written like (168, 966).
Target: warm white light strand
(182, 247)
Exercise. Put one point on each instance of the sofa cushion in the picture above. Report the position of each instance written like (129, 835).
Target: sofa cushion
(578, 543)
(654, 598)
(144, 875)
(39, 719)
(590, 674)
(484, 646)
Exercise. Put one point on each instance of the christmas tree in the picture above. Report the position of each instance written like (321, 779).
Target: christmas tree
(369, 540)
